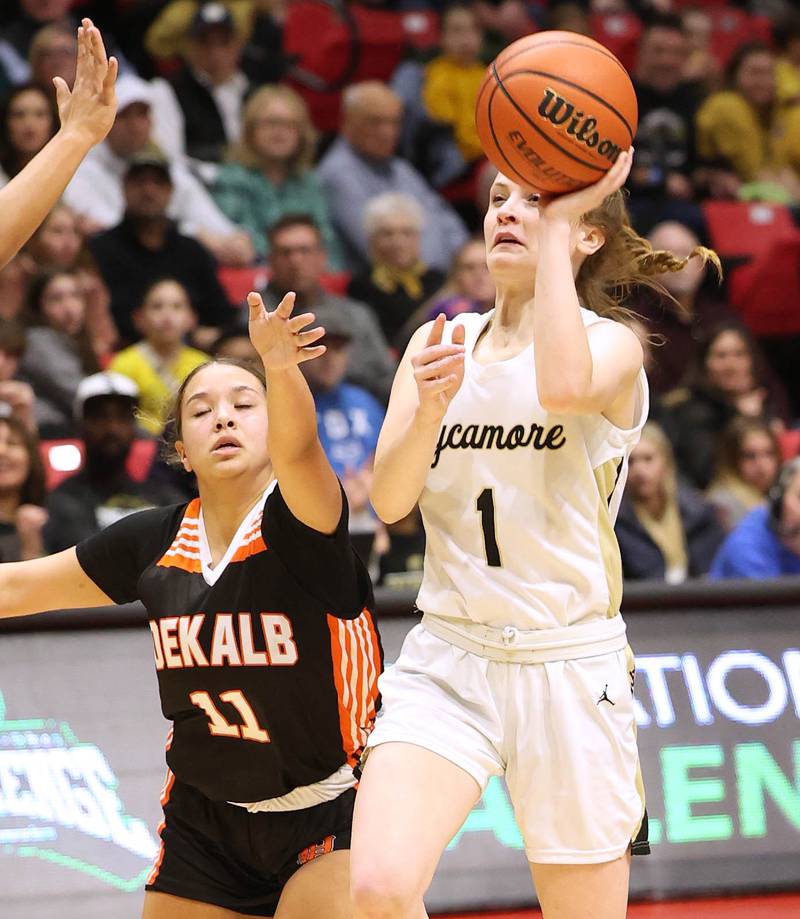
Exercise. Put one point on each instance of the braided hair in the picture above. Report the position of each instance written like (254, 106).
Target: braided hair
(626, 260)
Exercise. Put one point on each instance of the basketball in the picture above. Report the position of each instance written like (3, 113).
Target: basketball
(554, 111)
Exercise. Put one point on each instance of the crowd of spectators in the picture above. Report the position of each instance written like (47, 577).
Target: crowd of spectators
(253, 152)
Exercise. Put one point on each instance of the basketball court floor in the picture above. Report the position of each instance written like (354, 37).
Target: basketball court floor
(778, 906)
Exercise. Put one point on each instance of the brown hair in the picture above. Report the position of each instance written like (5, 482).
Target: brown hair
(165, 279)
(83, 261)
(33, 489)
(244, 153)
(9, 161)
(732, 440)
(698, 372)
(34, 316)
(12, 337)
(173, 427)
(626, 260)
(739, 56)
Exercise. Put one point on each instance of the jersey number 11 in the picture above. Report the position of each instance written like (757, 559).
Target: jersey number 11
(485, 505)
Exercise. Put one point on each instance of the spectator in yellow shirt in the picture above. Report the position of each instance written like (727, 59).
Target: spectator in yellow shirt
(452, 80)
(744, 132)
(161, 360)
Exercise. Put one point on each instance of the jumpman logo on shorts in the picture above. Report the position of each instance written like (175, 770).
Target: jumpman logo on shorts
(604, 697)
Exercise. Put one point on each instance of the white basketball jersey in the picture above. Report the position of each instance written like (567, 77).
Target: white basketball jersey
(519, 503)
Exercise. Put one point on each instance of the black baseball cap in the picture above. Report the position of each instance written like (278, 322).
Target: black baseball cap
(211, 16)
(149, 160)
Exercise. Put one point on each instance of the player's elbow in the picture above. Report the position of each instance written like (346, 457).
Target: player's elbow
(390, 512)
(390, 504)
(562, 400)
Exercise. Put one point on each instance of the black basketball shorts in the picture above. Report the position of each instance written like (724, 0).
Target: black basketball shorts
(219, 853)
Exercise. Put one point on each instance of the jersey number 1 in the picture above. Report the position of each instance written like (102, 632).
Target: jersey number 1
(218, 725)
(485, 505)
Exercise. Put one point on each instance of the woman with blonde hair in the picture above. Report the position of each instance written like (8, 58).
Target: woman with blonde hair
(665, 530)
(268, 174)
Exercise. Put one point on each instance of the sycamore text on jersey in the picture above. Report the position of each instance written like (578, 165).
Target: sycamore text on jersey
(486, 436)
(176, 644)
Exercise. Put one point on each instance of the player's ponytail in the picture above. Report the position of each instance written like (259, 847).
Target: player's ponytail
(626, 260)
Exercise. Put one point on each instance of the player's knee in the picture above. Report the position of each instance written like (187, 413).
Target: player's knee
(386, 894)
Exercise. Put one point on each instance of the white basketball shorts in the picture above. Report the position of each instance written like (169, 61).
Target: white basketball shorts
(562, 733)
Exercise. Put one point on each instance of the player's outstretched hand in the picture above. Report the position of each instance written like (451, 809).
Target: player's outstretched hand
(89, 108)
(439, 369)
(575, 205)
(279, 337)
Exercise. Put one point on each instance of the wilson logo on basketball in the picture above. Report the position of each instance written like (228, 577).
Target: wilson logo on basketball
(561, 113)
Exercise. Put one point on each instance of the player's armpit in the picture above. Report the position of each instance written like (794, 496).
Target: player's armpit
(42, 584)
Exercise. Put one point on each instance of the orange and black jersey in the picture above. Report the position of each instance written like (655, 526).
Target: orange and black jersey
(268, 663)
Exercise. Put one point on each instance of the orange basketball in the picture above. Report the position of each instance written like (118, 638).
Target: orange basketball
(554, 111)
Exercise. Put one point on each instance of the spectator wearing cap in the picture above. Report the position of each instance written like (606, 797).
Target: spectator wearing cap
(397, 280)
(298, 263)
(16, 396)
(160, 362)
(361, 164)
(766, 543)
(349, 420)
(103, 491)
(96, 192)
(197, 111)
(147, 246)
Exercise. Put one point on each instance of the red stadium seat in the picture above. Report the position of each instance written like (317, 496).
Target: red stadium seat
(421, 29)
(743, 230)
(333, 49)
(63, 458)
(790, 444)
(733, 27)
(238, 282)
(708, 4)
(766, 292)
(620, 33)
(335, 282)
(141, 458)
